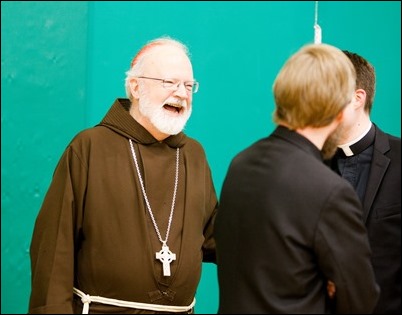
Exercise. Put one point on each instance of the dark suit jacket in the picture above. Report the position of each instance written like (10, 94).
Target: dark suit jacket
(382, 216)
(285, 225)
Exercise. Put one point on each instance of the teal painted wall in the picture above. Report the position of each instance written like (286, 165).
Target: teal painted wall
(63, 64)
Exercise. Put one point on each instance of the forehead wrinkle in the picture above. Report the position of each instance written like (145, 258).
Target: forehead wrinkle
(168, 62)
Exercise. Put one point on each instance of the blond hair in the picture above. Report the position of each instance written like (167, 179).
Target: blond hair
(313, 87)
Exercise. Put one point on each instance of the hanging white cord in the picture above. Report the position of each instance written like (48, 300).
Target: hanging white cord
(317, 28)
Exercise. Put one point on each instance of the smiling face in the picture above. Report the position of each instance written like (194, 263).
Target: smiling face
(161, 109)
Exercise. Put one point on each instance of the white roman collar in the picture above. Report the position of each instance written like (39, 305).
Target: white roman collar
(346, 148)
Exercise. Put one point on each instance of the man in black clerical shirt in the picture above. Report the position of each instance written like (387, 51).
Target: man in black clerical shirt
(371, 161)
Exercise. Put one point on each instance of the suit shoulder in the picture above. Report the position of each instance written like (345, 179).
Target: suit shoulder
(391, 138)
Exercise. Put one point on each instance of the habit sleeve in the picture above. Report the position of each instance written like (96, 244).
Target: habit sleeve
(53, 238)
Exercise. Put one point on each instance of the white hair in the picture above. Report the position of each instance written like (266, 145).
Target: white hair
(137, 64)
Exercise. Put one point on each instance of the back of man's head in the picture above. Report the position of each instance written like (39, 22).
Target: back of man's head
(313, 87)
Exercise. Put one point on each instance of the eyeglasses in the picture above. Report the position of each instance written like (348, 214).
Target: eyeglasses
(173, 84)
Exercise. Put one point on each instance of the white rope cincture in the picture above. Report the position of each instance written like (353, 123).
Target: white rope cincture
(87, 299)
(317, 28)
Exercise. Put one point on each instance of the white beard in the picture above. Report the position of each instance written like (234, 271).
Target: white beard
(161, 118)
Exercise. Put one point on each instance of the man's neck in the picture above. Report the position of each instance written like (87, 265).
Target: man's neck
(358, 130)
(317, 135)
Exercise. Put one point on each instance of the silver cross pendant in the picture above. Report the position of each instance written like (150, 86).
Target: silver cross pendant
(166, 257)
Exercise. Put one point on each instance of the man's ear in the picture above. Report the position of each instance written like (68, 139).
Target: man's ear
(134, 88)
(360, 96)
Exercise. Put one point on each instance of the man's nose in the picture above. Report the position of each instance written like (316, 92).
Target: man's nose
(181, 90)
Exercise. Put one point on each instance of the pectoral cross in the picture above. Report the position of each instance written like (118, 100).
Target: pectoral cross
(166, 257)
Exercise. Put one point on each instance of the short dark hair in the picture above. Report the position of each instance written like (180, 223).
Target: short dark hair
(365, 77)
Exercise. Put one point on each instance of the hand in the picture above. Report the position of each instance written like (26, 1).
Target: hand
(331, 289)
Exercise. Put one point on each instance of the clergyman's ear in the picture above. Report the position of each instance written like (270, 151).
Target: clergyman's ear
(134, 86)
(360, 96)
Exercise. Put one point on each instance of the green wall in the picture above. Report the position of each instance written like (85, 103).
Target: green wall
(63, 64)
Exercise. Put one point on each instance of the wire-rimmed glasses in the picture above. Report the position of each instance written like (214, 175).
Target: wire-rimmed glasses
(173, 84)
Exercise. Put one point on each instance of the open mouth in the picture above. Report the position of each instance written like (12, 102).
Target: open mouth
(173, 107)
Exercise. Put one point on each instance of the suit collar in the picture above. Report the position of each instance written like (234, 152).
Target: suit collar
(379, 165)
(298, 140)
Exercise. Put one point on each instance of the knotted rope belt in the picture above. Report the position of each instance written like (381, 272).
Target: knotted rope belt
(87, 299)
